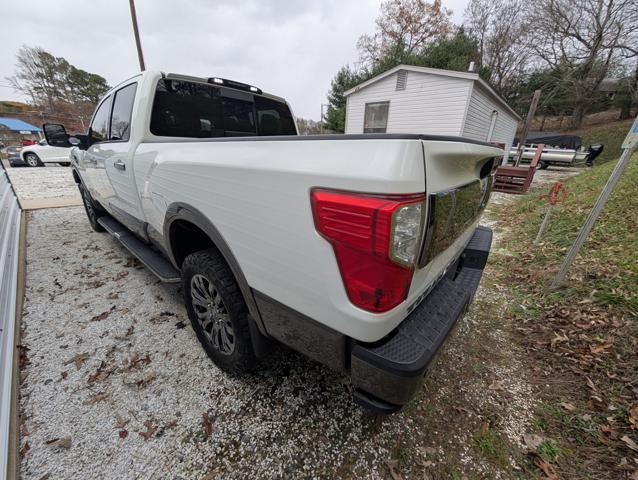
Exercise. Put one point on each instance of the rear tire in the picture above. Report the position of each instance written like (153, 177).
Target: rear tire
(32, 160)
(544, 165)
(93, 211)
(217, 311)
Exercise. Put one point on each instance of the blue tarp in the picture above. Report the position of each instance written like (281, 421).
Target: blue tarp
(16, 125)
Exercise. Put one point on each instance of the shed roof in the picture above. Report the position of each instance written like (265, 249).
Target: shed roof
(16, 125)
(435, 71)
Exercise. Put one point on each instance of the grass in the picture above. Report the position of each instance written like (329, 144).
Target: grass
(611, 135)
(491, 446)
(606, 270)
(581, 340)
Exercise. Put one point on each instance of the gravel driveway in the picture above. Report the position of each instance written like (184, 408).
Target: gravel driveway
(41, 184)
(114, 371)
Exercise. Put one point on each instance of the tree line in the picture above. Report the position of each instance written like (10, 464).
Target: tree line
(567, 48)
(57, 88)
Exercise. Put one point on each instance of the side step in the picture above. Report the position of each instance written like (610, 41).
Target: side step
(153, 260)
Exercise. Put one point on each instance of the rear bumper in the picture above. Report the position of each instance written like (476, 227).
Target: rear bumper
(386, 374)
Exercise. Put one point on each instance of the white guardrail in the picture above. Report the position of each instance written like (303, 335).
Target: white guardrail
(10, 214)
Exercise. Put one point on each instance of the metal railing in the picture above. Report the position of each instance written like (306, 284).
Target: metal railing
(10, 216)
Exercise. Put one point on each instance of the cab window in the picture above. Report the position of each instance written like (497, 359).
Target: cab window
(100, 124)
(122, 109)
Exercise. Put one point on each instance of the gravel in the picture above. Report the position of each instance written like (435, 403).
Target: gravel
(43, 182)
(138, 361)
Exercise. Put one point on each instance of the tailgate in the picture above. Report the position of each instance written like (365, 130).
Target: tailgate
(458, 185)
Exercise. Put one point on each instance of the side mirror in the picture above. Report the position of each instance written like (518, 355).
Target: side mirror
(56, 135)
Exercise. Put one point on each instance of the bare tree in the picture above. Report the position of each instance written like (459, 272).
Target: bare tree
(582, 39)
(409, 25)
(502, 31)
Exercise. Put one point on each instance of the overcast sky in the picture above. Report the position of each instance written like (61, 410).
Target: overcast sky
(291, 48)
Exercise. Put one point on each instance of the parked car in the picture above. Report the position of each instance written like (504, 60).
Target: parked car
(13, 155)
(42, 153)
(360, 251)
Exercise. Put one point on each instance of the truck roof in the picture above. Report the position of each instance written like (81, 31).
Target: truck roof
(191, 78)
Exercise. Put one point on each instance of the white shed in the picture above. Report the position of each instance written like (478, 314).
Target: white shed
(409, 99)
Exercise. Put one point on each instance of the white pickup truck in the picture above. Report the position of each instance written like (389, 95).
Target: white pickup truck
(360, 251)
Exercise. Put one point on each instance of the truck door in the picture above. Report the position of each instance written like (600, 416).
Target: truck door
(113, 160)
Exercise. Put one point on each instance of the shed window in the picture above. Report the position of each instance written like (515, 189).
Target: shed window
(375, 119)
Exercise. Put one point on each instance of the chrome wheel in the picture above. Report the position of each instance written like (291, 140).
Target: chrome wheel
(31, 160)
(212, 315)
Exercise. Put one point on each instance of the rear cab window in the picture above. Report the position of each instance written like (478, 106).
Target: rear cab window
(200, 110)
(121, 114)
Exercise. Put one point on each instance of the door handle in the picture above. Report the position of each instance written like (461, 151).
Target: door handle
(120, 165)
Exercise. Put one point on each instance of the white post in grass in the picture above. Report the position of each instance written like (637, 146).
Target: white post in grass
(629, 146)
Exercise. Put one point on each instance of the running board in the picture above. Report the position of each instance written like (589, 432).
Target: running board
(153, 260)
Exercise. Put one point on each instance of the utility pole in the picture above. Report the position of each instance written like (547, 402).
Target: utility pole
(629, 146)
(321, 121)
(528, 125)
(140, 55)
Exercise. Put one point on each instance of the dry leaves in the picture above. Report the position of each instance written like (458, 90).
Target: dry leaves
(103, 315)
(630, 443)
(393, 466)
(150, 430)
(547, 468)
(64, 442)
(93, 399)
(207, 424)
(102, 373)
(78, 360)
(119, 421)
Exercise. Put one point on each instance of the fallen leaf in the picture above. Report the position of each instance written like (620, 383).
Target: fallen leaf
(123, 433)
(633, 414)
(568, 406)
(78, 359)
(532, 441)
(600, 348)
(102, 373)
(25, 448)
(547, 469)
(630, 443)
(93, 399)
(64, 442)
(119, 421)
(120, 275)
(206, 423)
(497, 386)
(392, 466)
(150, 430)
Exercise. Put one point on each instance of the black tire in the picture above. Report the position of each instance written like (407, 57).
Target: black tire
(544, 165)
(32, 160)
(225, 316)
(93, 211)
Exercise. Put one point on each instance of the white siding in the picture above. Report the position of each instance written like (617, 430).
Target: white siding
(479, 117)
(430, 104)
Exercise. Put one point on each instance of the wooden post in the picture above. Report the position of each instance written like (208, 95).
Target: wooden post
(526, 127)
(138, 43)
(629, 146)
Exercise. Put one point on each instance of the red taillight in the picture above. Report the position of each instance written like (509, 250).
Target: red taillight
(375, 240)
